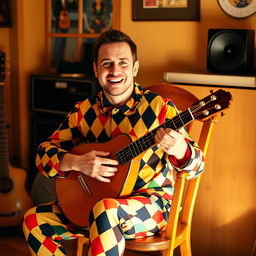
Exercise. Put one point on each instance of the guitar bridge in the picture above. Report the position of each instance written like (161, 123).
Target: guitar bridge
(84, 185)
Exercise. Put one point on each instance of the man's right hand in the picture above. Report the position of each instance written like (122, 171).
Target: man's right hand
(95, 164)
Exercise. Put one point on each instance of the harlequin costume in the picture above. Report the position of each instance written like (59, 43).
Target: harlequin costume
(112, 221)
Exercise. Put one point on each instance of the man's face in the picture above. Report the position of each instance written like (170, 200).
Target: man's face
(116, 70)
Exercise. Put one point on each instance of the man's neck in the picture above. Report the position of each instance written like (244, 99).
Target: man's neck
(119, 100)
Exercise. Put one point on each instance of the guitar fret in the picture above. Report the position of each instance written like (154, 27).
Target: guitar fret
(178, 122)
(132, 151)
(136, 150)
(139, 146)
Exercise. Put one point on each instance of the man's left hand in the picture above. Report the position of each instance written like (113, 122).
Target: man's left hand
(171, 142)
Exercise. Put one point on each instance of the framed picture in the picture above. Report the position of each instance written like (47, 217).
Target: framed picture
(164, 10)
(5, 19)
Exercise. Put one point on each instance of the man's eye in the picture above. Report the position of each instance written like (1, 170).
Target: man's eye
(123, 63)
(106, 64)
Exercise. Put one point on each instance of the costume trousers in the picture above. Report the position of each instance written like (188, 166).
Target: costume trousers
(111, 222)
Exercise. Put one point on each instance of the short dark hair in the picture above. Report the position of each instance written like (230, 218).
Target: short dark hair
(113, 36)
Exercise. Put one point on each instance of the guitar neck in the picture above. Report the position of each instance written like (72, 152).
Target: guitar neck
(145, 142)
(4, 159)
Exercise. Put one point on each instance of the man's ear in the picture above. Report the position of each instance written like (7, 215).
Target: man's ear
(95, 69)
(136, 68)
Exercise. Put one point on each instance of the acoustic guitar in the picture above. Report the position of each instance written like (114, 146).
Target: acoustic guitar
(78, 193)
(14, 199)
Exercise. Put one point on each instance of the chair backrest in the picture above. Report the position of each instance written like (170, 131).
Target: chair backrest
(185, 191)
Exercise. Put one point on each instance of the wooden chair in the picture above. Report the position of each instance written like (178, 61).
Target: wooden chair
(178, 232)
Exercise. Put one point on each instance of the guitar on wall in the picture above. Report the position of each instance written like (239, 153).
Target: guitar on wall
(78, 193)
(64, 21)
(14, 199)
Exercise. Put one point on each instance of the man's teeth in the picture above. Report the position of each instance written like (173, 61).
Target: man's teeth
(115, 80)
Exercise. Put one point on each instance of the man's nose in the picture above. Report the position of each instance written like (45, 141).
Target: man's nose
(114, 68)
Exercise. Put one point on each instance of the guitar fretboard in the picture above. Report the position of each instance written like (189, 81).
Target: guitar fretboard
(4, 155)
(145, 142)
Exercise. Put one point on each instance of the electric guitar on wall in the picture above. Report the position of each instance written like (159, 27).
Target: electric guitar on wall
(14, 199)
(78, 193)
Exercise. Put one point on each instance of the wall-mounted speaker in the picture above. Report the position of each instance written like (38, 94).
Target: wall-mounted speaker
(230, 51)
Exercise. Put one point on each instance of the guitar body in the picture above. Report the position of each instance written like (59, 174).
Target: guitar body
(64, 20)
(15, 200)
(76, 201)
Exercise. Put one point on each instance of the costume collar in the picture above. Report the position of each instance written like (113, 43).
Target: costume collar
(128, 108)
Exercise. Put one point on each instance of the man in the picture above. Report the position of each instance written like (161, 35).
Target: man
(121, 107)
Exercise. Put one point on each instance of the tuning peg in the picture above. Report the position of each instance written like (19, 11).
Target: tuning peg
(211, 91)
(222, 114)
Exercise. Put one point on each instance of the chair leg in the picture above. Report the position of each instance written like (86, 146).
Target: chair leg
(81, 241)
(168, 252)
(185, 248)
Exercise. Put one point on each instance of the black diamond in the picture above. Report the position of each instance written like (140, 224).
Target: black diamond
(34, 243)
(118, 117)
(134, 118)
(153, 161)
(102, 223)
(149, 117)
(139, 183)
(90, 136)
(150, 96)
(90, 116)
(103, 137)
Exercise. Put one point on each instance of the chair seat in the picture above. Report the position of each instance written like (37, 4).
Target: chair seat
(150, 243)
(157, 242)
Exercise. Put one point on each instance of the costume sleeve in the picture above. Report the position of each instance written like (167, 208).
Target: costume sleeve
(59, 143)
(194, 164)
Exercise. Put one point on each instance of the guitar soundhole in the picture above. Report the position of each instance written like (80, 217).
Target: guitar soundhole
(6, 184)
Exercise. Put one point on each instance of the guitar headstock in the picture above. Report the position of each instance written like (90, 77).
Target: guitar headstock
(211, 105)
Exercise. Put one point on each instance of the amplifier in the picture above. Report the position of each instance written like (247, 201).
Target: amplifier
(56, 94)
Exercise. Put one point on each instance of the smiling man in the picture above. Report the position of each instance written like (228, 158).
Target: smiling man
(122, 106)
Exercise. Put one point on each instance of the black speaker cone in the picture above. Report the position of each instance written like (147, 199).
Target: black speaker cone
(226, 51)
(230, 51)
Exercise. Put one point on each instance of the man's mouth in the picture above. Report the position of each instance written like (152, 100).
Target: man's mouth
(115, 80)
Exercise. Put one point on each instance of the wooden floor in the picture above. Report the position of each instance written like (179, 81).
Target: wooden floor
(12, 243)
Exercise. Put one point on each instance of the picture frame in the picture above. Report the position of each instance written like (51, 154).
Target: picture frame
(166, 10)
(5, 17)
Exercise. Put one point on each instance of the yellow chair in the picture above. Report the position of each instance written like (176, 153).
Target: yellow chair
(178, 230)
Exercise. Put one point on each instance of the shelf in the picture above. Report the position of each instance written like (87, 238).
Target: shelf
(206, 79)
